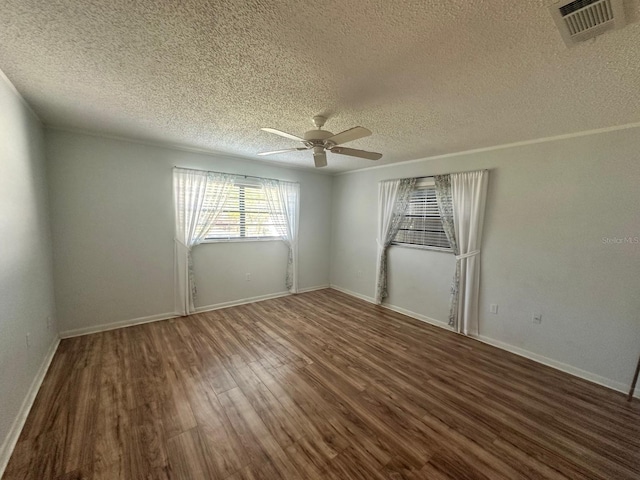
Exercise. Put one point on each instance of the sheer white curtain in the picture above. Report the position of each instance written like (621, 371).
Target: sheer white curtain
(284, 205)
(393, 199)
(198, 199)
(469, 193)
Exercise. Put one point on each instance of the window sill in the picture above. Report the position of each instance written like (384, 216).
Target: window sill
(423, 247)
(242, 240)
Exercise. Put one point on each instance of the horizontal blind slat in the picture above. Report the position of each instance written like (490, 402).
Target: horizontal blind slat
(246, 210)
(422, 224)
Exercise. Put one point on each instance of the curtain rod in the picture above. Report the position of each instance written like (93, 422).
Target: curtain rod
(434, 174)
(232, 174)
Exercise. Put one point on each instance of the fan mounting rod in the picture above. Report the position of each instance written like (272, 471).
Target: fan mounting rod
(319, 121)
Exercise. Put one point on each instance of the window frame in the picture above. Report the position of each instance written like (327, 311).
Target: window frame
(423, 182)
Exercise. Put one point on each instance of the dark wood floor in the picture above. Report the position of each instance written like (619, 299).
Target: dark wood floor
(315, 386)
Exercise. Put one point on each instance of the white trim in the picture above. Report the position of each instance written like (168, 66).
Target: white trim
(185, 148)
(204, 151)
(13, 88)
(166, 316)
(241, 240)
(120, 324)
(18, 424)
(418, 316)
(354, 294)
(259, 298)
(498, 147)
(549, 362)
(241, 301)
(313, 289)
(393, 308)
(576, 372)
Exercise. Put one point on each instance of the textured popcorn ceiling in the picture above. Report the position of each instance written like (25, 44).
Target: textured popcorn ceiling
(427, 77)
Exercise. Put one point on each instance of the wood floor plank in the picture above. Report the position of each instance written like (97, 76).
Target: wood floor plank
(265, 471)
(187, 458)
(147, 456)
(319, 385)
(249, 422)
(237, 412)
(114, 402)
(223, 449)
(83, 411)
(267, 406)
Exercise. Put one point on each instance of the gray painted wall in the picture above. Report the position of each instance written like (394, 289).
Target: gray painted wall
(26, 281)
(549, 207)
(112, 213)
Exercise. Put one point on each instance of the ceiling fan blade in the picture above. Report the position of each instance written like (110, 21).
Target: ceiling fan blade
(320, 159)
(283, 134)
(349, 135)
(283, 151)
(356, 153)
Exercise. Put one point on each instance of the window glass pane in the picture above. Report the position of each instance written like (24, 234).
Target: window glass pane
(422, 224)
(261, 231)
(246, 215)
(224, 231)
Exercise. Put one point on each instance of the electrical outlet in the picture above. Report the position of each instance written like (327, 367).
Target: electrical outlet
(48, 323)
(493, 308)
(537, 318)
(28, 340)
(248, 277)
(359, 273)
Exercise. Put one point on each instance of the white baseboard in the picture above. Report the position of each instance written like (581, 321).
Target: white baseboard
(576, 372)
(16, 427)
(353, 294)
(241, 301)
(311, 289)
(549, 362)
(388, 306)
(114, 325)
(417, 316)
(166, 316)
(259, 298)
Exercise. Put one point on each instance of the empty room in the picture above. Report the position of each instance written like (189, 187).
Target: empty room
(288, 240)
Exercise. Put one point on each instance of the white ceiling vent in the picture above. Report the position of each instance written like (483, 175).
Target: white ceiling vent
(580, 20)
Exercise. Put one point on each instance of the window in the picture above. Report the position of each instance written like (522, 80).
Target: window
(246, 215)
(422, 225)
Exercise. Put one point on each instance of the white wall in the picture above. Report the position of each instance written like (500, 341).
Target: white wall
(26, 282)
(549, 206)
(112, 214)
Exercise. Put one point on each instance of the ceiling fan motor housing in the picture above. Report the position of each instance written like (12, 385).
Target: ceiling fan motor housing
(316, 139)
(312, 135)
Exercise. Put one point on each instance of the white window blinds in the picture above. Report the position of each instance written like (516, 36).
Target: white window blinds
(422, 225)
(245, 214)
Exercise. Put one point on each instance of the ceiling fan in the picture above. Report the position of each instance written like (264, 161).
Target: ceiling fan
(321, 141)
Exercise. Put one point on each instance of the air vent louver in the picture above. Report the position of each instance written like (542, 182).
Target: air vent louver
(583, 15)
(581, 20)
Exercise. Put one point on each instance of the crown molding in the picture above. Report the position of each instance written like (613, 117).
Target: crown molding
(182, 148)
(499, 147)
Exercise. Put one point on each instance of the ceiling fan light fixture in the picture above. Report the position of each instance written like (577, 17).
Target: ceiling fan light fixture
(320, 158)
